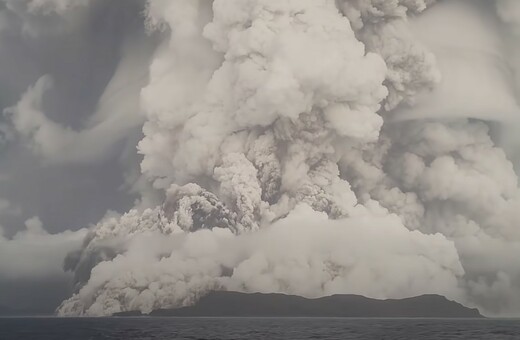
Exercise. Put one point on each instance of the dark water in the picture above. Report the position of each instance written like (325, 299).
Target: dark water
(255, 328)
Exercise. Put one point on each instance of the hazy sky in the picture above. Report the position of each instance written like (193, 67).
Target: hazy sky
(362, 146)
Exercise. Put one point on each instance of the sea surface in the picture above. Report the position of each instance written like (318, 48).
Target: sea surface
(255, 328)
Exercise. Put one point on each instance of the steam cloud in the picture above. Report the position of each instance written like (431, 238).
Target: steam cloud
(308, 147)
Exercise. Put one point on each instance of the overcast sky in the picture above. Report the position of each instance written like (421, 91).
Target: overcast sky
(82, 56)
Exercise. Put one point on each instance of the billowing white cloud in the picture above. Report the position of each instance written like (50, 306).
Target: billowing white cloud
(305, 254)
(299, 167)
(34, 254)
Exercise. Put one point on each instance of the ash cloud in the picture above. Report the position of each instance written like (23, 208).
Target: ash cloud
(308, 147)
(31, 263)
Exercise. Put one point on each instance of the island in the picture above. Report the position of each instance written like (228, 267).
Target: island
(235, 304)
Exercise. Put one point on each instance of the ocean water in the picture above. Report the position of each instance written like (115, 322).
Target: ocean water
(255, 328)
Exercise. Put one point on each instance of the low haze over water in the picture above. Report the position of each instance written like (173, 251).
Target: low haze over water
(256, 328)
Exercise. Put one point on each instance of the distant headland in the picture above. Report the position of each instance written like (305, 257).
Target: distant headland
(234, 304)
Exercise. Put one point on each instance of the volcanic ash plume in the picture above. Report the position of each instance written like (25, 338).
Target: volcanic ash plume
(269, 129)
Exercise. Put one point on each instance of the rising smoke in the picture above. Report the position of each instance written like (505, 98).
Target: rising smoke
(308, 147)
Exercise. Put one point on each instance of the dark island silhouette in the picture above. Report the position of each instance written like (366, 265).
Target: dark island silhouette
(234, 304)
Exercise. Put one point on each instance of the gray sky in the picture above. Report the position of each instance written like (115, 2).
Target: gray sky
(64, 196)
(82, 60)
